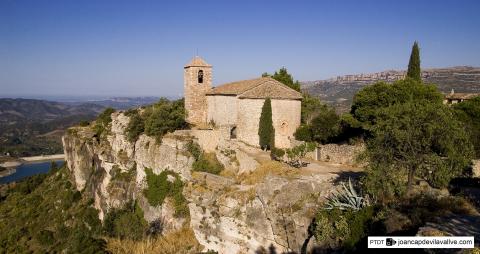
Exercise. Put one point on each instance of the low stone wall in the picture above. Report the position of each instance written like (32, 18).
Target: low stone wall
(208, 140)
(339, 154)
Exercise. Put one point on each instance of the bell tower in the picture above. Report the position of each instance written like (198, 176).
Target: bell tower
(197, 77)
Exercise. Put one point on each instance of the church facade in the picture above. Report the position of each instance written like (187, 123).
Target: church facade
(237, 106)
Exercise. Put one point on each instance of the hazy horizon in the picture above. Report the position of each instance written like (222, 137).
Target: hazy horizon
(138, 48)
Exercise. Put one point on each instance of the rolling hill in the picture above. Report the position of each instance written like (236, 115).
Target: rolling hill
(339, 91)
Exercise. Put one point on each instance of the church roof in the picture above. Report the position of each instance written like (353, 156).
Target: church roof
(197, 62)
(258, 88)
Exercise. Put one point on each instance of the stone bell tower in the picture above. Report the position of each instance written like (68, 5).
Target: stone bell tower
(197, 77)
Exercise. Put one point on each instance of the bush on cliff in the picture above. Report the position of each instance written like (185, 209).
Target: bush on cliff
(136, 126)
(160, 187)
(127, 222)
(103, 120)
(156, 120)
(208, 162)
(204, 162)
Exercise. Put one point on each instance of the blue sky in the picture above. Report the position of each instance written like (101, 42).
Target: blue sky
(140, 47)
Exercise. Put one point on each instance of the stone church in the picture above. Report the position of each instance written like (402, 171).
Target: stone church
(237, 106)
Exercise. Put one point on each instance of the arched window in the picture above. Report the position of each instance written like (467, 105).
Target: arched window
(200, 76)
(233, 132)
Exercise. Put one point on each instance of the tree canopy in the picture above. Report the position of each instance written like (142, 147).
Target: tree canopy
(415, 139)
(469, 113)
(283, 76)
(368, 101)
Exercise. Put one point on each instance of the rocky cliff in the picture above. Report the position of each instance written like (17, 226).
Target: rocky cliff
(253, 203)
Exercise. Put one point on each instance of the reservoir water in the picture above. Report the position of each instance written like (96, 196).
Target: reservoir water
(29, 169)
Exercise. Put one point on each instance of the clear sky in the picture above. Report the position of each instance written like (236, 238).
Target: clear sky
(66, 47)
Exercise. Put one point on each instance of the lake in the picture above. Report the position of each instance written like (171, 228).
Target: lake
(29, 169)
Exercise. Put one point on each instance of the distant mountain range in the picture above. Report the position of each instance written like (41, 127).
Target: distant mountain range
(32, 127)
(120, 102)
(339, 91)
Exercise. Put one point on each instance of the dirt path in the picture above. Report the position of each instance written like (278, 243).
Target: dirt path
(317, 167)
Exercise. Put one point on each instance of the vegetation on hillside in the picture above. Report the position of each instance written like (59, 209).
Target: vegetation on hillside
(156, 120)
(410, 136)
(73, 225)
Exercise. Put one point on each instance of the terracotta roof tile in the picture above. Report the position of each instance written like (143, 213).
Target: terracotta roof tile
(197, 62)
(256, 89)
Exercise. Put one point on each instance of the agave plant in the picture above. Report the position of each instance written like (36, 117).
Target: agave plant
(347, 198)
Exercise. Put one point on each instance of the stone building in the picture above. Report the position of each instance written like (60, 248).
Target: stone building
(454, 98)
(238, 105)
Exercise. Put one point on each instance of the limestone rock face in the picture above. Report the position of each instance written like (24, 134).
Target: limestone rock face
(92, 159)
(235, 218)
(227, 214)
(170, 154)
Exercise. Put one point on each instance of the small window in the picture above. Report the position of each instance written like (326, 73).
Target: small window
(200, 76)
(233, 133)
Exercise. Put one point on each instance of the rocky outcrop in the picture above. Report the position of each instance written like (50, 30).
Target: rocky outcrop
(227, 213)
(92, 159)
(239, 218)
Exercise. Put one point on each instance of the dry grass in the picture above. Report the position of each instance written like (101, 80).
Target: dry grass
(266, 169)
(182, 241)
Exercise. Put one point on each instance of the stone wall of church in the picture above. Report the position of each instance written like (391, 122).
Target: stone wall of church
(222, 110)
(285, 117)
(195, 99)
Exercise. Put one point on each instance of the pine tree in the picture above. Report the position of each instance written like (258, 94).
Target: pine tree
(414, 63)
(284, 77)
(266, 132)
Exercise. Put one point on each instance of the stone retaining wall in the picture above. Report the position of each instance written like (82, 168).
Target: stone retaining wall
(339, 154)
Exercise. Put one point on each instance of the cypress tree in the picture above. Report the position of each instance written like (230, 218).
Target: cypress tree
(266, 132)
(414, 64)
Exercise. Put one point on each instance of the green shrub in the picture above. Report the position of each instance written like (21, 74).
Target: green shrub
(324, 125)
(468, 112)
(277, 153)
(343, 228)
(194, 149)
(127, 222)
(303, 133)
(119, 175)
(208, 162)
(45, 237)
(103, 120)
(159, 188)
(136, 125)
(163, 117)
(84, 123)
